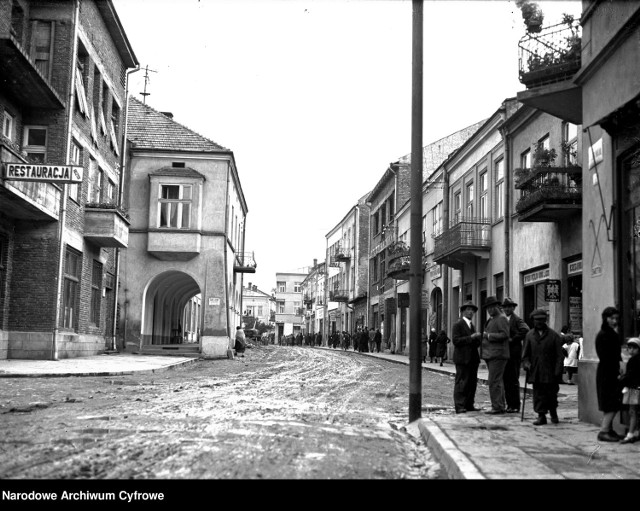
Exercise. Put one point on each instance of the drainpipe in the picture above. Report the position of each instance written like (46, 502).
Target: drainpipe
(445, 267)
(226, 282)
(63, 200)
(123, 162)
(507, 211)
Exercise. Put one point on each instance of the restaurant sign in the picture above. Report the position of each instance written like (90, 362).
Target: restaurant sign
(43, 173)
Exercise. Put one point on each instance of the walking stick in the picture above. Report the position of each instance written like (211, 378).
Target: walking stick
(524, 394)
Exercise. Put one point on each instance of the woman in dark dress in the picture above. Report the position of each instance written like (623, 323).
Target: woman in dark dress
(608, 346)
(432, 344)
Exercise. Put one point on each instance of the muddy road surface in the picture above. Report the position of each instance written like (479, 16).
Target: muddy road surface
(277, 413)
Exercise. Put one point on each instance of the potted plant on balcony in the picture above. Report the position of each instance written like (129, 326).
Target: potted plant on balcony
(531, 14)
(543, 157)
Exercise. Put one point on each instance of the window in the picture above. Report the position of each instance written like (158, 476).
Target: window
(95, 183)
(297, 287)
(42, 46)
(82, 68)
(114, 126)
(545, 143)
(109, 195)
(71, 289)
(525, 159)
(376, 228)
(437, 219)
(282, 287)
(260, 310)
(96, 292)
(174, 206)
(570, 144)
(470, 200)
(35, 143)
(391, 208)
(484, 203)
(280, 306)
(457, 205)
(468, 291)
(7, 125)
(499, 189)
(382, 264)
(76, 159)
(383, 215)
(424, 233)
(104, 109)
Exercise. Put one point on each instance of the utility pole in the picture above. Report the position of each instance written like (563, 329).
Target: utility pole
(144, 94)
(415, 249)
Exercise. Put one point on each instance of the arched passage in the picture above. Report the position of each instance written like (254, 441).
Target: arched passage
(165, 305)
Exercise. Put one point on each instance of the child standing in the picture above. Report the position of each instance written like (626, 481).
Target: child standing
(631, 391)
(571, 350)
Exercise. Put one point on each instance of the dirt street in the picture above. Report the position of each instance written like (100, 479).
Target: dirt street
(278, 413)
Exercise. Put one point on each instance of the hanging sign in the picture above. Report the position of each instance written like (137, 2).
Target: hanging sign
(552, 290)
(43, 173)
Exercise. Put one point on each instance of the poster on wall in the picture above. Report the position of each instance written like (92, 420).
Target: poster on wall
(575, 313)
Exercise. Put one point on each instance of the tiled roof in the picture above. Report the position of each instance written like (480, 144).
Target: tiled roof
(150, 129)
(177, 171)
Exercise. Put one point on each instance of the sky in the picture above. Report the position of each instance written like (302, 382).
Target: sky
(314, 96)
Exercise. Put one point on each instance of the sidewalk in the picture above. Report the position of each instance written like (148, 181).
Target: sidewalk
(479, 446)
(468, 446)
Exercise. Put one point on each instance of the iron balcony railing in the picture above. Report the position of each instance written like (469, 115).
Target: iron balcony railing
(382, 240)
(550, 55)
(245, 262)
(468, 233)
(555, 185)
(339, 295)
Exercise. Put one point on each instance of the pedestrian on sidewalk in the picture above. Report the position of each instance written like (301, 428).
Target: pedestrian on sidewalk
(466, 342)
(517, 331)
(424, 348)
(631, 390)
(433, 335)
(608, 348)
(372, 340)
(495, 352)
(571, 351)
(377, 338)
(543, 360)
(240, 341)
(364, 341)
(441, 346)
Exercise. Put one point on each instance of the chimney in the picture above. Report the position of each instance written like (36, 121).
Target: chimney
(167, 114)
(315, 263)
(255, 288)
(249, 285)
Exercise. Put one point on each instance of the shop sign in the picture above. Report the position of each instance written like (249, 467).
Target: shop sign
(425, 299)
(595, 153)
(536, 276)
(574, 267)
(552, 290)
(435, 272)
(43, 173)
(214, 301)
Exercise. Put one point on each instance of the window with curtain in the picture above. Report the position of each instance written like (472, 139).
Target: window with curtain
(174, 206)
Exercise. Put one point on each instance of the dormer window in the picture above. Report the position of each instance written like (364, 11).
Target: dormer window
(174, 206)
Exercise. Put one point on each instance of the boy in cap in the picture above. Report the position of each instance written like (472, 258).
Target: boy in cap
(543, 360)
(517, 331)
(465, 356)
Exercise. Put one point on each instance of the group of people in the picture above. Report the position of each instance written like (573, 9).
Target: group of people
(506, 345)
(435, 346)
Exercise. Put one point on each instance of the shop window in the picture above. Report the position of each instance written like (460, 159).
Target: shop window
(71, 289)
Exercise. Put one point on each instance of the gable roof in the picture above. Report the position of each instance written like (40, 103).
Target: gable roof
(149, 129)
(177, 171)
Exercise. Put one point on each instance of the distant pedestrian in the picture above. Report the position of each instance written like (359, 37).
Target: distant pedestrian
(392, 340)
(571, 352)
(377, 339)
(346, 340)
(372, 340)
(608, 348)
(240, 341)
(433, 335)
(542, 359)
(318, 339)
(495, 352)
(363, 345)
(517, 331)
(441, 346)
(466, 358)
(630, 382)
(424, 348)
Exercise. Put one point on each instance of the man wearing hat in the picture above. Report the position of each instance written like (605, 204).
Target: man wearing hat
(517, 330)
(495, 352)
(465, 356)
(543, 360)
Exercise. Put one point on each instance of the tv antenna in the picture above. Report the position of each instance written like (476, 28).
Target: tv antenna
(146, 81)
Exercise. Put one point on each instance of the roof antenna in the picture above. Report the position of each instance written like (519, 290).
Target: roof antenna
(146, 81)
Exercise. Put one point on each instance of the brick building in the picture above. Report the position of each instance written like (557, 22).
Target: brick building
(64, 68)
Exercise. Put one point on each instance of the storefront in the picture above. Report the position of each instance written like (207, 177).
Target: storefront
(534, 292)
(574, 296)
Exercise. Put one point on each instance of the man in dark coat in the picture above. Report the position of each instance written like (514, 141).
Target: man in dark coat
(543, 360)
(378, 340)
(517, 330)
(466, 359)
(495, 352)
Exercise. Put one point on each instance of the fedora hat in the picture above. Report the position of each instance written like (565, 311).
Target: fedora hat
(469, 303)
(492, 300)
(508, 301)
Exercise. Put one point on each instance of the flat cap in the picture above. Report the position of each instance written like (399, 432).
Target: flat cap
(539, 313)
(469, 304)
(508, 301)
(635, 341)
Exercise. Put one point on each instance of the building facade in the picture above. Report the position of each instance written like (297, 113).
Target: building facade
(289, 310)
(188, 216)
(64, 68)
(257, 306)
(313, 299)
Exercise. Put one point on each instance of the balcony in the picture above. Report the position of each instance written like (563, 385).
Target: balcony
(341, 254)
(307, 300)
(548, 60)
(550, 194)
(399, 261)
(339, 295)
(383, 239)
(21, 78)
(106, 225)
(467, 240)
(245, 263)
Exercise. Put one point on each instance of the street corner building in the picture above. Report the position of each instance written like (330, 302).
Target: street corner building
(63, 75)
(183, 269)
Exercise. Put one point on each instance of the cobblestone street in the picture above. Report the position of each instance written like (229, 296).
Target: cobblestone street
(278, 413)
